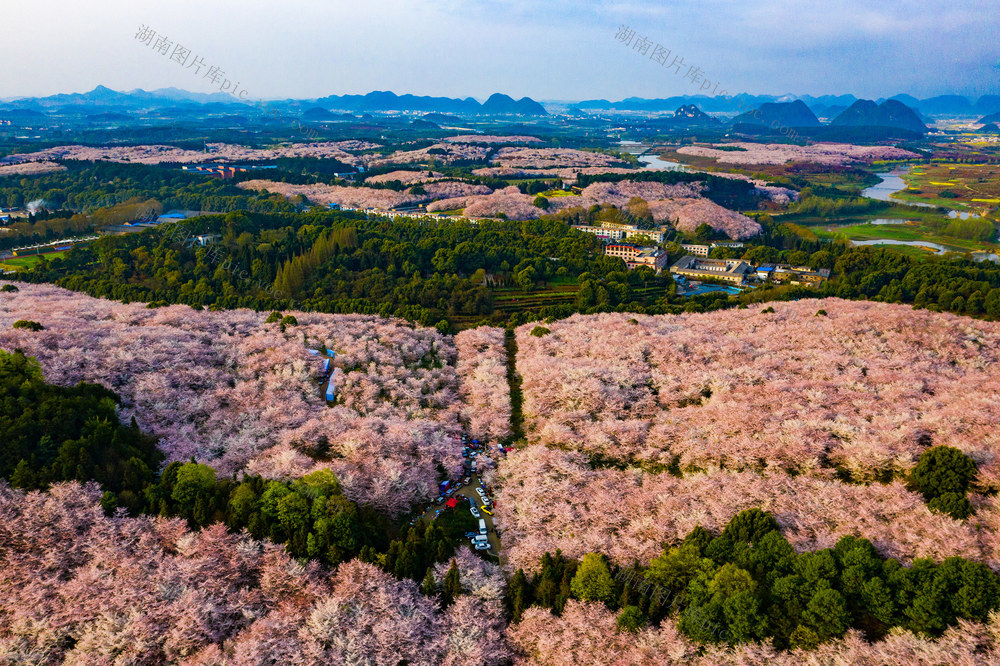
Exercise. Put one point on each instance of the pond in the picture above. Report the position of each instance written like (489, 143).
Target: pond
(936, 248)
(878, 222)
(709, 288)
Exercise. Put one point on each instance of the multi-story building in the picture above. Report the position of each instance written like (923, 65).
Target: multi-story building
(701, 268)
(611, 231)
(697, 250)
(635, 256)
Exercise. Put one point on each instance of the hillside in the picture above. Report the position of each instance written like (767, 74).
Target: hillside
(649, 440)
(243, 395)
(750, 408)
(890, 113)
(779, 114)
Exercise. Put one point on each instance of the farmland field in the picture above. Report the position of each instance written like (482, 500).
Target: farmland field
(974, 187)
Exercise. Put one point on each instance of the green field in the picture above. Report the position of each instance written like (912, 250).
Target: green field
(911, 231)
(19, 263)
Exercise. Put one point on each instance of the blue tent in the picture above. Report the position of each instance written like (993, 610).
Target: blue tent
(331, 353)
(326, 365)
(314, 352)
(331, 387)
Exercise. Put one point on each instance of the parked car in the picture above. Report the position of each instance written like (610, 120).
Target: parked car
(482, 493)
(482, 546)
(485, 510)
(475, 512)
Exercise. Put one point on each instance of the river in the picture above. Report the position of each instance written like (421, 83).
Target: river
(892, 182)
(654, 163)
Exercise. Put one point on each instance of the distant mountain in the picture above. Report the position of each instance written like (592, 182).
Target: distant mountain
(779, 114)
(992, 118)
(992, 128)
(441, 118)
(104, 96)
(667, 104)
(945, 105)
(497, 104)
(109, 117)
(317, 113)
(890, 113)
(908, 100)
(686, 116)
(689, 113)
(987, 104)
(22, 113)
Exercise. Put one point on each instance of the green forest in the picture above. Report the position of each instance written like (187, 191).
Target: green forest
(748, 584)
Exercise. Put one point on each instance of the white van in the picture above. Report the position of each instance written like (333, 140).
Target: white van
(482, 526)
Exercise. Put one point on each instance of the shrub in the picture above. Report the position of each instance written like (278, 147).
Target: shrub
(593, 581)
(942, 470)
(273, 318)
(540, 331)
(767, 310)
(952, 504)
(631, 619)
(821, 313)
(9, 289)
(28, 325)
(750, 526)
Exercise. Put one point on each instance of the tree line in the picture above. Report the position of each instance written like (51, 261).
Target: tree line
(748, 584)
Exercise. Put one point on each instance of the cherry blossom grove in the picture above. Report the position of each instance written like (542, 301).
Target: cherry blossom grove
(509, 201)
(406, 177)
(443, 153)
(482, 371)
(217, 152)
(238, 394)
(547, 158)
(366, 197)
(552, 499)
(679, 204)
(492, 139)
(586, 633)
(865, 388)
(834, 154)
(80, 587)
(30, 168)
(568, 174)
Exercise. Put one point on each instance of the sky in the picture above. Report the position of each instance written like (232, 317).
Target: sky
(547, 50)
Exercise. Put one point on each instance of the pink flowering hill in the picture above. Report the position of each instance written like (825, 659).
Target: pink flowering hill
(241, 395)
(641, 428)
(79, 587)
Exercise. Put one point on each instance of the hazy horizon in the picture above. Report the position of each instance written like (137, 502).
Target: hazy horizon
(555, 52)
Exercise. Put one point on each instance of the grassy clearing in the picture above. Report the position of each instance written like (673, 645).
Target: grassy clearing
(21, 263)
